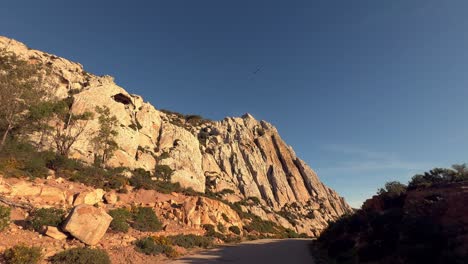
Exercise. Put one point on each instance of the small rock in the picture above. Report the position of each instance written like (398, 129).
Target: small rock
(59, 180)
(91, 198)
(53, 232)
(111, 197)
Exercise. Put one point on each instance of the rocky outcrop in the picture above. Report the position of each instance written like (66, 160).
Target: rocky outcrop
(87, 223)
(243, 155)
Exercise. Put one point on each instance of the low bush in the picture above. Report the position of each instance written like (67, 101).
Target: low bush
(144, 219)
(5, 212)
(211, 232)
(155, 246)
(235, 230)
(46, 217)
(191, 241)
(232, 239)
(22, 254)
(141, 179)
(163, 172)
(120, 219)
(81, 256)
(225, 217)
(261, 226)
(221, 228)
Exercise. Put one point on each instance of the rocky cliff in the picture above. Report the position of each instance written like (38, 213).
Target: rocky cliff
(242, 154)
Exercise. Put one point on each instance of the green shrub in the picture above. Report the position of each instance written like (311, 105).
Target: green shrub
(155, 246)
(225, 217)
(120, 218)
(144, 219)
(254, 199)
(22, 159)
(235, 230)
(210, 229)
(163, 172)
(393, 189)
(5, 212)
(191, 241)
(226, 191)
(81, 256)
(232, 239)
(221, 228)
(261, 226)
(46, 217)
(164, 155)
(22, 254)
(141, 179)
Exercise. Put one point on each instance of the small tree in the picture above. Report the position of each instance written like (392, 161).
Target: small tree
(163, 172)
(393, 189)
(104, 140)
(68, 126)
(20, 85)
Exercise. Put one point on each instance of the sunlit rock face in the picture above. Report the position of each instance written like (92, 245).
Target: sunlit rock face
(241, 154)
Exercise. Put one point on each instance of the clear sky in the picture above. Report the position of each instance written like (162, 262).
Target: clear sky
(364, 91)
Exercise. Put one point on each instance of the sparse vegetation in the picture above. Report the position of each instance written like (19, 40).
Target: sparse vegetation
(104, 140)
(43, 217)
(81, 256)
(438, 176)
(120, 219)
(20, 85)
(155, 246)
(144, 219)
(235, 230)
(21, 254)
(5, 212)
(190, 241)
(225, 217)
(163, 172)
(141, 179)
(221, 228)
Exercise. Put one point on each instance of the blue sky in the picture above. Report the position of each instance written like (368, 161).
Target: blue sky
(365, 91)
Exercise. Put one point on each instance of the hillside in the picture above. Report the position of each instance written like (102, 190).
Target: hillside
(424, 222)
(228, 180)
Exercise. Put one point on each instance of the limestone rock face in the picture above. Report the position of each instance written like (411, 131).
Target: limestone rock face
(88, 223)
(243, 156)
(199, 211)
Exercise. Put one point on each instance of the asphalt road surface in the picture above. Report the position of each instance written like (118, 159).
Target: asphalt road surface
(289, 251)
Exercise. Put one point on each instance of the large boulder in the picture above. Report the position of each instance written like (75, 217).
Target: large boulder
(87, 223)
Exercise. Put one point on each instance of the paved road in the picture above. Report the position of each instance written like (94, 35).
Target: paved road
(290, 251)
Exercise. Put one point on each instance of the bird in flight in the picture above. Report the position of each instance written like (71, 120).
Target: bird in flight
(257, 70)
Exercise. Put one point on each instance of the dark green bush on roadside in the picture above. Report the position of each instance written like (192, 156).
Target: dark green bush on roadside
(191, 241)
(22, 254)
(155, 246)
(5, 212)
(144, 219)
(235, 230)
(261, 226)
(46, 217)
(81, 256)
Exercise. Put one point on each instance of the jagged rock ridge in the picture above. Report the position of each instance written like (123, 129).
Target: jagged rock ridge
(240, 154)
